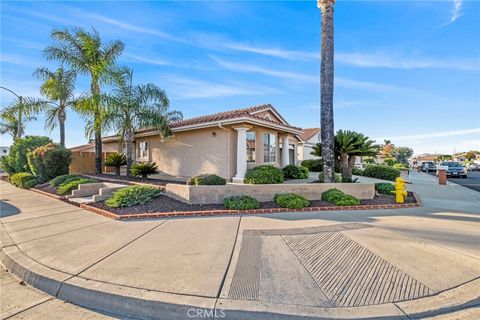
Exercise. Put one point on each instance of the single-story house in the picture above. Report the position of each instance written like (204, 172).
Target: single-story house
(226, 143)
(309, 138)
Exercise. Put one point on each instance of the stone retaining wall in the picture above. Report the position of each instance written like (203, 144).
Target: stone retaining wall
(263, 192)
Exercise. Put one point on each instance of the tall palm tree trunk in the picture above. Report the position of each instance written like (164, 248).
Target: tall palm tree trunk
(97, 127)
(20, 114)
(62, 116)
(344, 166)
(327, 133)
(129, 152)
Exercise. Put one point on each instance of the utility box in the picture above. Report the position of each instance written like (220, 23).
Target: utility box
(442, 175)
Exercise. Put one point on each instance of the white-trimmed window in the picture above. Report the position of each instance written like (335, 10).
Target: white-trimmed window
(143, 150)
(269, 147)
(251, 140)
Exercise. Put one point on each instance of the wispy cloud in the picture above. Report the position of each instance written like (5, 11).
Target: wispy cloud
(457, 6)
(135, 28)
(188, 88)
(433, 135)
(273, 52)
(394, 61)
(156, 61)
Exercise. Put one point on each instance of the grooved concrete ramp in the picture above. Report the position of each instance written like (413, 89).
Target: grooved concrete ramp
(351, 275)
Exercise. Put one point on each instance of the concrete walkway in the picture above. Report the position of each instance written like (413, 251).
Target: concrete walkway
(403, 263)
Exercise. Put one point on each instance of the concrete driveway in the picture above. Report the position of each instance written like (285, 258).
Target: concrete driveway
(359, 264)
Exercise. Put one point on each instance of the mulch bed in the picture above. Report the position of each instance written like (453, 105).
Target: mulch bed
(167, 204)
(47, 188)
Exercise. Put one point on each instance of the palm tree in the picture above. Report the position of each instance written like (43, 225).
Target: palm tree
(132, 107)
(85, 53)
(59, 88)
(348, 146)
(14, 117)
(327, 132)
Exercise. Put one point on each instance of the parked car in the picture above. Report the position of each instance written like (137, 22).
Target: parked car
(428, 166)
(454, 169)
(473, 167)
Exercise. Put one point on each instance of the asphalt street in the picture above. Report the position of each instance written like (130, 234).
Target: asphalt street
(472, 182)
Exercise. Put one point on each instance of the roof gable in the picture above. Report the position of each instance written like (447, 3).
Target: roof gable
(309, 133)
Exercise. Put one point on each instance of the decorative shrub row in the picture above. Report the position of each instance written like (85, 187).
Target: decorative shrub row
(23, 180)
(48, 161)
(265, 174)
(357, 171)
(55, 182)
(241, 203)
(381, 172)
(400, 166)
(291, 201)
(384, 187)
(339, 198)
(72, 183)
(295, 172)
(131, 196)
(314, 165)
(143, 169)
(207, 180)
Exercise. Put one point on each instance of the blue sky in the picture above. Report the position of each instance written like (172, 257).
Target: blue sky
(408, 71)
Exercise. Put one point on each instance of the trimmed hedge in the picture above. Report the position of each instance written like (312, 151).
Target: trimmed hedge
(241, 203)
(339, 198)
(338, 178)
(265, 174)
(48, 161)
(206, 180)
(291, 201)
(143, 169)
(381, 172)
(357, 171)
(384, 188)
(131, 196)
(16, 161)
(61, 179)
(314, 165)
(23, 180)
(295, 172)
(73, 184)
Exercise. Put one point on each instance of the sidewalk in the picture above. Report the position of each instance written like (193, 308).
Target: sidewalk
(450, 196)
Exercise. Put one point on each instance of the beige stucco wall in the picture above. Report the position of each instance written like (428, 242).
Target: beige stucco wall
(191, 152)
(265, 192)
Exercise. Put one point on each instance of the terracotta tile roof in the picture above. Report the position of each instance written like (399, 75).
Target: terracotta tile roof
(227, 115)
(307, 133)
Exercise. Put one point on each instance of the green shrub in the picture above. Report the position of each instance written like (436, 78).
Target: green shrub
(266, 174)
(17, 161)
(338, 177)
(23, 180)
(241, 203)
(339, 198)
(143, 169)
(61, 179)
(357, 171)
(390, 162)
(291, 201)
(313, 165)
(70, 179)
(131, 196)
(295, 172)
(400, 166)
(67, 187)
(332, 194)
(381, 172)
(116, 160)
(48, 161)
(207, 180)
(384, 187)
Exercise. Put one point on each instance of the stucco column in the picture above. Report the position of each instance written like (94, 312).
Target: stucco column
(241, 155)
(285, 156)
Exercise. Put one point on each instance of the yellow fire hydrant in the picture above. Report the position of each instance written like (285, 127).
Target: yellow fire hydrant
(400, 192)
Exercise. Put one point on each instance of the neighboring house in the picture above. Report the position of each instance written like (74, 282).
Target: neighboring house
(4, 151)
(310, 137)
(225, 143)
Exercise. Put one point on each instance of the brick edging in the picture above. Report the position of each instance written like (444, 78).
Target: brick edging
(115, 216)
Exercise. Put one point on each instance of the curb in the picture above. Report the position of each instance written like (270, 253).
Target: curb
(51, 195)
(128, 301)
(115, 216)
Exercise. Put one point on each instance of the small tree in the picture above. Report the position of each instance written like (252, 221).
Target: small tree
(470, 155)
(16, 161)
(402, 154)
(116, 160)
